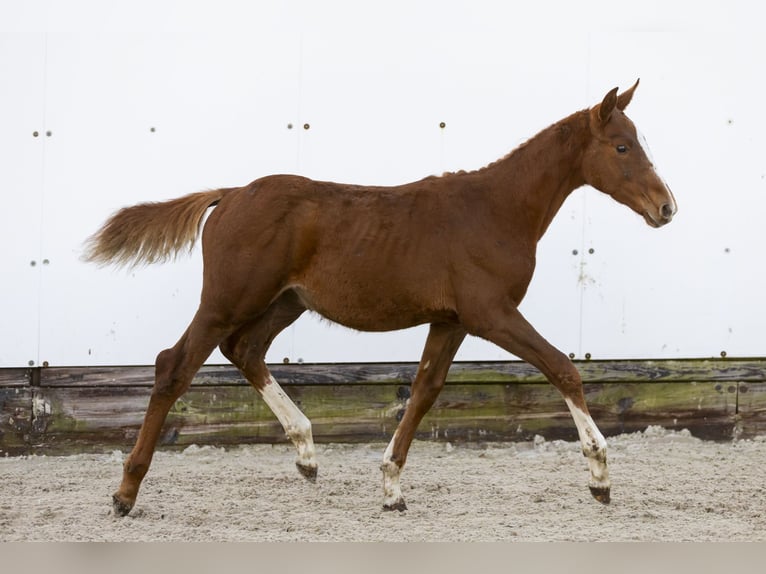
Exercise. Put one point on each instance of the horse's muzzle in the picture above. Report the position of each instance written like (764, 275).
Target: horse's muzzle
(663, 216)
(667, 211)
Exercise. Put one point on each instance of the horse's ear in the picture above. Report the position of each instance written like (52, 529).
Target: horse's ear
(606, 107)
(624, 98)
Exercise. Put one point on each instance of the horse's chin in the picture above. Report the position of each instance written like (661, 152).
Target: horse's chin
(651, 221)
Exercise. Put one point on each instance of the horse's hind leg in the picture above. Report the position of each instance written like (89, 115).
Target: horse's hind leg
(297, 426)
(246, 349)
(174, 370)
(442, 344)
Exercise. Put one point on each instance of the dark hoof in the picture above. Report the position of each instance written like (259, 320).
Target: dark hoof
(398, 505)
(600, 494)
(308, 472)
(120, 508)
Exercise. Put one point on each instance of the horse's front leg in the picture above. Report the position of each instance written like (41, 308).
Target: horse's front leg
(593, 447)
(442, 344)
(511, 331)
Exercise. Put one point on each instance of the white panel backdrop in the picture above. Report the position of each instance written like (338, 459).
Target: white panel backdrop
(105, 104)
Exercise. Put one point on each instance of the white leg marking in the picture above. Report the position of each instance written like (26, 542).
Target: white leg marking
(593, 447)
(392, 491)
(297, 426)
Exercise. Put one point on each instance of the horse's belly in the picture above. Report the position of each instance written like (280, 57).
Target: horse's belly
(372, 309)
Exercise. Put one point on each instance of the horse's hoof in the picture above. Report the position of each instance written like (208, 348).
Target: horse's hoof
(308, 472)
(398, 505)
(601, 494)
(121, 508)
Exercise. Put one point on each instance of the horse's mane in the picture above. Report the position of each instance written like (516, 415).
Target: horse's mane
(558, 130)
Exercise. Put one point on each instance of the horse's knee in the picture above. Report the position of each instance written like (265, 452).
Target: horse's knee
(567, 379)
(425, 390)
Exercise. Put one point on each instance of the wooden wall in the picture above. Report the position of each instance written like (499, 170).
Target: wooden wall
(70, 409)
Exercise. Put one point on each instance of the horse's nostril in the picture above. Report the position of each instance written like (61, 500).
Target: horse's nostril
(666, 211)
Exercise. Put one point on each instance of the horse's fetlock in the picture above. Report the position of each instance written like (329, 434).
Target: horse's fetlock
(298, 430)
(136, 470)
(595, 451)
(390, 468)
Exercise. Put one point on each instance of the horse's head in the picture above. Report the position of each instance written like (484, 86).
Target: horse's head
(617, 162)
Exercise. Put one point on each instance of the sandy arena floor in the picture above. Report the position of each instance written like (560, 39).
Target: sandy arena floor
(667, 486)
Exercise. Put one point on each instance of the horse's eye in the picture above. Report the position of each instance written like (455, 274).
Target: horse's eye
(622, 148)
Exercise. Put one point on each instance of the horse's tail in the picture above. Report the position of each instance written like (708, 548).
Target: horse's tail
(151, 232)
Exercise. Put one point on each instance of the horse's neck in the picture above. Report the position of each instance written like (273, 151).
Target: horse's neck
(539, 175)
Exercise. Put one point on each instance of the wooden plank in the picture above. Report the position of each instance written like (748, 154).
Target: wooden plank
(105, 377)
(671, 370)
(218, 375)
(666, 370)
(12, 377)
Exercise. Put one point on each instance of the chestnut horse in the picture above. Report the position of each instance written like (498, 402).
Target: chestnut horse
(455, 251)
